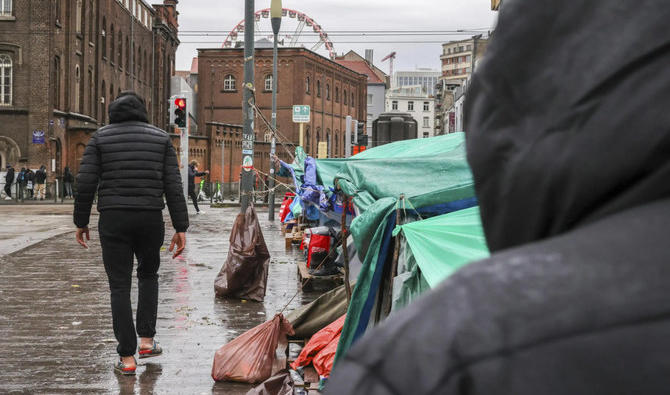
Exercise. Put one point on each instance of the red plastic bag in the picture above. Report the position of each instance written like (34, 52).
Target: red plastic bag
(323, 361)
(253, 356)
(285, 206)
(317, 243)
(318, 342)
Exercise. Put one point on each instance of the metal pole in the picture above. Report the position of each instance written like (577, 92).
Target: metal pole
(276, 25)
(247, 178)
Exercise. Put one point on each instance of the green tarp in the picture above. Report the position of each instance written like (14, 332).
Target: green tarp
(440, 177)
(444, 243)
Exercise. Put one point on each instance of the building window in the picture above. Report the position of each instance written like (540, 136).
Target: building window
(369, 99)
(268, 83)
(78, 19)
(327, 91)
(103, 38)
(337, 94)
(229, 83)
(138, 62)
(318, 88)
(426, 122)
(426, 106)
(426, 135)
(91, 29)
(308, 84)
(58, 10)
(111, 44)
(468, 47)
(352, 99)
(103, 101)
(5, 79)
(119, 52)
(307, 140)
(394, 105)
(56, 82)
(91, 94)
(146, 68)
(410, 106)
(127, 55)
(77, 86)
(346, 99)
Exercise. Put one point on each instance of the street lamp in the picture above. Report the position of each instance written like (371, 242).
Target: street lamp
(275, 18)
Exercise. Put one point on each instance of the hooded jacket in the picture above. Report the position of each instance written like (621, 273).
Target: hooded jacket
(9, 177)
(569, 141)
(132, 165)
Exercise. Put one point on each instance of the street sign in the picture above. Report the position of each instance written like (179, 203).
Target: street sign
(301, 114)
(323, 150)
(38, 136)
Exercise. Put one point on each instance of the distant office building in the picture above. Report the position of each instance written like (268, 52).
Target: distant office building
(427, 78)
(458, 58)
(414, 100)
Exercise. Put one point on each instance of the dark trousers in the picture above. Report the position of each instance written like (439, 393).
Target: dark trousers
(8, 190)
(124, 234)
(194, 197)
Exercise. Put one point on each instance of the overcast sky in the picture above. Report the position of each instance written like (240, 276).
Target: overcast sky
(347, 15)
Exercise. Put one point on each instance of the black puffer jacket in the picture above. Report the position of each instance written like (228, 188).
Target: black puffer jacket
(132, 165)
(575, 201)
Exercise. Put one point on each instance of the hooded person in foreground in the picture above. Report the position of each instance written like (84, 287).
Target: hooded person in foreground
(568, 134)
(133, 166)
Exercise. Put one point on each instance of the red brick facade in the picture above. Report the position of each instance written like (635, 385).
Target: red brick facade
(70, 60)
(304, 78)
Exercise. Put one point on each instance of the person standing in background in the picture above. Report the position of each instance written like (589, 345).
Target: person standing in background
(9, 179)
(68, 179)
(40, 183)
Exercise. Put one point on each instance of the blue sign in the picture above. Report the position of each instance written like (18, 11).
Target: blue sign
(38, 136)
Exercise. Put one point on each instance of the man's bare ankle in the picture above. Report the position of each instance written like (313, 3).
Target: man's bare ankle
(128, 361)
(146, 342)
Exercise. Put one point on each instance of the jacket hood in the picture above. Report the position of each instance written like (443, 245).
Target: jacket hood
(128, 107)
(567, 116)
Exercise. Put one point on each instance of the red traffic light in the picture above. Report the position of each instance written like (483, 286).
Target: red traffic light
(180, 103)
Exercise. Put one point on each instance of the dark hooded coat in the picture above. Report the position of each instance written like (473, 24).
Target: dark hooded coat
(132, 165)
(569, 142)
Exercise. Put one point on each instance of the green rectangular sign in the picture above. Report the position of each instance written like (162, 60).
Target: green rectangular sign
(301, 114)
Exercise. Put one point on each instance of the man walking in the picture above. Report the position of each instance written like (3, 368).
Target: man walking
(40, 182)
(192, 174)
(9, 179)
(132, 166)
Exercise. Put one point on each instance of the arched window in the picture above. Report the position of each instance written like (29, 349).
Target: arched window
(111, 43)
(352, 99)
(318, 88)
(146, 68)
(308, 84)
(138, 62)
(268, 82)
(58, 11)
(77, 88)
(103, 102)
(91, 19)
(103, 38)
(327, 91)
(328, 144)
(91, 91)
(345, 97)
(337, 94)
(318, 138)
(78, 19)
(56, 82)
(119, 51)
(127, 55)
(6, 79)
(337, 143)
(229, 83)
(307, 140)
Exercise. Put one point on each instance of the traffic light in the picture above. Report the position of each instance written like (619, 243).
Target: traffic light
(180, 113)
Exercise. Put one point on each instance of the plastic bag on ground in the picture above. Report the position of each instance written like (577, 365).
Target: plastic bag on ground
(312, 317)
(245, 272)
(279, 384)
(318, 342)
(255, 355)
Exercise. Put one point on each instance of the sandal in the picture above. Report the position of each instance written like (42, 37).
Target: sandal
(154, 351)
(121, 368)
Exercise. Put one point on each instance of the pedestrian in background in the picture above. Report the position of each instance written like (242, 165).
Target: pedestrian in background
(40, 183)
(192, 174)
(21, 181)
(68, 179)
(135, 166)
(30, 183)
(9, 179)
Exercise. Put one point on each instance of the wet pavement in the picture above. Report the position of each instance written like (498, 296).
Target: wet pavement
(55, 320)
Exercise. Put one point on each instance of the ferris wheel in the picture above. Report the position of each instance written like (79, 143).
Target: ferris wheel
(292, 37)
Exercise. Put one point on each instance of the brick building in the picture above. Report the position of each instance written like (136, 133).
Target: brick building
(63, 61)
(332, 90)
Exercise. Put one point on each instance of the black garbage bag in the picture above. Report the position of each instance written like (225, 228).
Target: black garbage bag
(244, 274)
